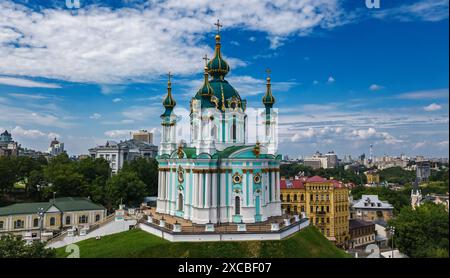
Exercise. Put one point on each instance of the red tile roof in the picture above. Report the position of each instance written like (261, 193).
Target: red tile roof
(296, 184)
(299, 183)
(316, 179)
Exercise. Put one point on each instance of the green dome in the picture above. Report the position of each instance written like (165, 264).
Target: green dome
(217, 66)
(168, 102)
(268, 99)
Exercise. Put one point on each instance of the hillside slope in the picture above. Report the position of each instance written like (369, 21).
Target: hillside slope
(308, 243)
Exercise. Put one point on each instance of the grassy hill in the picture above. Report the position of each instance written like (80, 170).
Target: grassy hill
(308, 243)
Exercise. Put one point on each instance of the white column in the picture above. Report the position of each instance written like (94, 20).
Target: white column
(214, 190)
(195, 188)
(278, 185)
(200, 191)
(250, 187)
(273, 192)
(230, 188)
(174, 187)
(187, 189)
(244, 188)
(223, 187)
(208, 190)
(274, 186)
(159, 184)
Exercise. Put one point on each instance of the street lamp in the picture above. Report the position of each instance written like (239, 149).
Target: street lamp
(392, 232)
(40, 214)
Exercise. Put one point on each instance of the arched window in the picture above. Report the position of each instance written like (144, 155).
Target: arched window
(302, 197)
(36, 222)
(180, 202)
(97, 217)
(237, 205)
(83, 219)
(214, 132)
(233, 129)
(67, 220)
(52, 221)
(288, 198)
(295, 197)
(18, 224)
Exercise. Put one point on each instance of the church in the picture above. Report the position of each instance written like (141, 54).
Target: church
(219, 177)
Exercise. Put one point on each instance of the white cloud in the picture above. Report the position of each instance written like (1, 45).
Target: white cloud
(119, 133)
(28, 96)
(331, 79)
(432, 107)
(375, 87)
(425, 94)
(252, 39)
(21, 82)
(32, 133)
(425, 10)
(103, 45)
(117, 100)
(315, 82)
(95, 116)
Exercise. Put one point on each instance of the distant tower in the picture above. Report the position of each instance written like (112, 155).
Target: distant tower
(371, 153)
(416, 194)
(168, 122)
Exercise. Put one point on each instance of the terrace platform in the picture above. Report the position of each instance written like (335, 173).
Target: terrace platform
(177, 229)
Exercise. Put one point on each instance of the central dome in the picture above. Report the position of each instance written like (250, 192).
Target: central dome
(223, 95)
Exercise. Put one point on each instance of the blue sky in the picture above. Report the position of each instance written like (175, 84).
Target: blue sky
(344, 76)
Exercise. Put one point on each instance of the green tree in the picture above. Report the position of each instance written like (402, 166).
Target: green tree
(125, 186)
(147, 171)
(8, 170)
(15, 247)
(422, 232)
(397, 175)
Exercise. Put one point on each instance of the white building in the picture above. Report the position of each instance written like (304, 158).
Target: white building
(117, 153)
(56, 148)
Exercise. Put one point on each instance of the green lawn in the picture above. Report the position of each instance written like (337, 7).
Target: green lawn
(308, 243)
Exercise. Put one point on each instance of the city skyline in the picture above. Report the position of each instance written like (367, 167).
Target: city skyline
(356, 76)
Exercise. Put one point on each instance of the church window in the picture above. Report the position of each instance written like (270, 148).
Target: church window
(233, 129)
(180, 202)
(52, 221)
(237, 205)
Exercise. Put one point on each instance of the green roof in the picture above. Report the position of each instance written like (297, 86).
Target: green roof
(63, 204)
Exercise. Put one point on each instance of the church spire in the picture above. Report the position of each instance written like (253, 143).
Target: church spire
(268, 99)
(206, 90)
(169, 102)
(218, 67)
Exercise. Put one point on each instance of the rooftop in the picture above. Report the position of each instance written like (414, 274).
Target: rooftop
(63, 204)
(371, 202)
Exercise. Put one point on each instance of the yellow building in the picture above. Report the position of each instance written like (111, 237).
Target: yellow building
(324, 202)
(372, 177)
(57, 215)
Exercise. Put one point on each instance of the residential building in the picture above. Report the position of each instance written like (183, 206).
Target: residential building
(117, 153)
(373, 178)
(7, 146)
(324, 202)
(361, 233)
(423, 170)
(56, 148)
(318, 160)
(143, 136)
(57, 215)
(370, 208)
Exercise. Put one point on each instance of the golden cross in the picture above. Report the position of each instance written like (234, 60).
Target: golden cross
(206, 59)
(170, 75)
(268, 71)
(218, 26)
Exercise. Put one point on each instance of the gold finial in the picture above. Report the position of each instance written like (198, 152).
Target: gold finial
(206, 61)
(218, 26)
(170, 76)
(268, 71)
